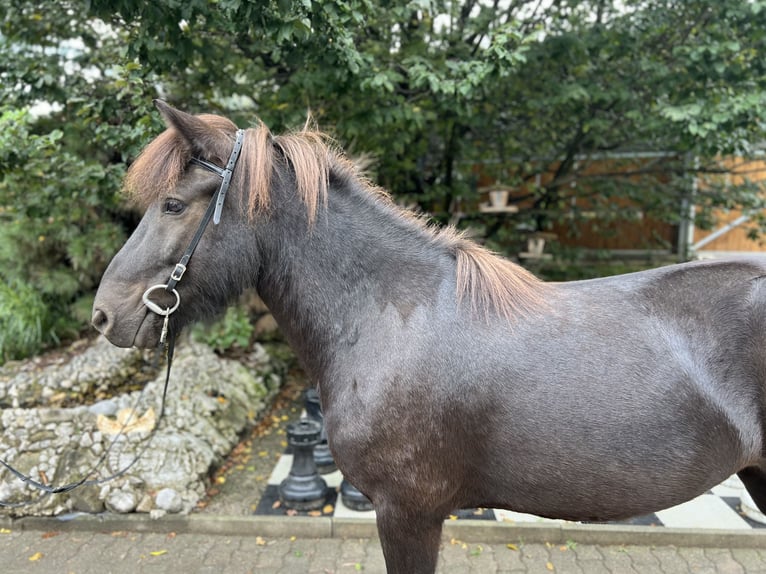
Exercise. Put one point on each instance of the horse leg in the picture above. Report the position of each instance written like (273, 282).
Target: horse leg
(410, 541)
(754, 480)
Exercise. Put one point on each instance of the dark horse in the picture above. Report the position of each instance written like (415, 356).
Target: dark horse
(450, 377)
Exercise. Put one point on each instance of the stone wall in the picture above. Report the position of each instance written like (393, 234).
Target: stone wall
(47, 434)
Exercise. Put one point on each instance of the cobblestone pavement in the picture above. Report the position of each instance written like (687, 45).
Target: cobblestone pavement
(131, 553)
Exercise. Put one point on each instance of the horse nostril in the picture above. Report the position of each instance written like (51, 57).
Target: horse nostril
(100, 321)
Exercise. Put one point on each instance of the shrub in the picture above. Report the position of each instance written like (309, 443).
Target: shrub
(232, 331)
(54, 237)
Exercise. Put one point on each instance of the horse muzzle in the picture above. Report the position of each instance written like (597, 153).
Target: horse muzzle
(125, 320)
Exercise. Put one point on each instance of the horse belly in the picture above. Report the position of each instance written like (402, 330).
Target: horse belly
(586, 460)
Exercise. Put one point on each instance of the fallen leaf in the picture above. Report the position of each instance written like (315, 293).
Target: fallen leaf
(549, 566)
(260, 541)
(455, 541)
(512, 547)
(127, 421)
(263, 453)
(5, 531)
(171, 535)
(328, 508)
(452, 517)
(158, 552)
(276, 504)
(36, 556)
(293, 538)
(47, 535)
(221, 479)
(315, 513)
(291, 512)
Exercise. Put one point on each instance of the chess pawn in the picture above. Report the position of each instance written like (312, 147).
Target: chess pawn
(353, 498)
(303, 489)
(322, 455)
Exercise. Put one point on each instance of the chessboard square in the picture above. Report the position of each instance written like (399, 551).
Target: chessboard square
(282, 469)
(343, 511)
(706, 511)
(333, 479)
(732, 486)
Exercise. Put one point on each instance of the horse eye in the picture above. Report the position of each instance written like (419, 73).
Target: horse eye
(174, 206)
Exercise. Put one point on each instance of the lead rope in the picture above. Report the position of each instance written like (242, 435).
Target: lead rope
(213, 212)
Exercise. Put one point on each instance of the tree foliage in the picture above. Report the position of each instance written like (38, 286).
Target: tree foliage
(442, 95)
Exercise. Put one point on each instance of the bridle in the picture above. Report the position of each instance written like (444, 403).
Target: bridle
(214, 210)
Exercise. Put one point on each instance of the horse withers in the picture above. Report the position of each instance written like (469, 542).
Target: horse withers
(449, 377)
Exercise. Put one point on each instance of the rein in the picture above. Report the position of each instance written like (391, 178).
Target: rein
(167, 337)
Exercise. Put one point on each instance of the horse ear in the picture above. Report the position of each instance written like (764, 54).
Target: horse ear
(201, 136)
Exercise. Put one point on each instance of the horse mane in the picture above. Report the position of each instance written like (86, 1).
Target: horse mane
(488, 280)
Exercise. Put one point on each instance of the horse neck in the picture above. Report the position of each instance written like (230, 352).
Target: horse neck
(326, 281)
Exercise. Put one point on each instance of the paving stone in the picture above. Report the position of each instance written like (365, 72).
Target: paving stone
(723, 562)
(642, 558)
(565, 560)
(697, 561)
(751, 560)
(670, 560)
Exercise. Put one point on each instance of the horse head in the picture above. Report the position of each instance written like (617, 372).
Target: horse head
(174, 180)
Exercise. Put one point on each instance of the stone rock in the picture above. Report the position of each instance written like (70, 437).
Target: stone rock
(121, 501)
(146, 504)
(87, 499)
(106, 408)
(210, 402)
(169, 500)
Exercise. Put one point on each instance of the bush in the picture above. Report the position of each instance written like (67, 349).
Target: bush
(24, 318)
(55, 239)
(232, 331)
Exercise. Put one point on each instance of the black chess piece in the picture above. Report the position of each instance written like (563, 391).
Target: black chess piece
(303, 489)
(353, 498)
(322, 455)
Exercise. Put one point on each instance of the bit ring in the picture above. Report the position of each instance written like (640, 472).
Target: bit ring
(156, 308)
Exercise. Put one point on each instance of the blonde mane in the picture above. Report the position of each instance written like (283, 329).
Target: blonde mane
(487, 280)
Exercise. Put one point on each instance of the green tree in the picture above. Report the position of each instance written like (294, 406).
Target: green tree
(440, 94)
(70, 118)
(433, 88)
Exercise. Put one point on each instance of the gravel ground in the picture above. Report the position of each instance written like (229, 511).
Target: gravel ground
(238, 484)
